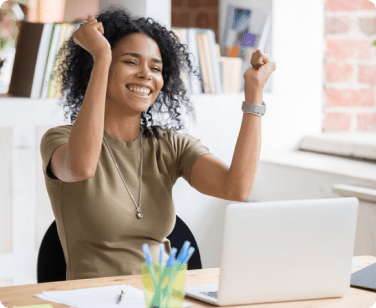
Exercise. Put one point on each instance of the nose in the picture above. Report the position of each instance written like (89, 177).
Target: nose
(144, 72)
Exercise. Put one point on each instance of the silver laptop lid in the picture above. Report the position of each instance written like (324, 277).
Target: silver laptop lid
(287, 250)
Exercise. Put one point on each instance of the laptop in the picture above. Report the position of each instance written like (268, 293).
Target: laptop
(284, 251)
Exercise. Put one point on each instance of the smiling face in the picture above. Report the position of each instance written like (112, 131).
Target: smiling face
(135, 75)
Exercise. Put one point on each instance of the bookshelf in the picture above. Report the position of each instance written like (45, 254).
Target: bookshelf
(26, 213)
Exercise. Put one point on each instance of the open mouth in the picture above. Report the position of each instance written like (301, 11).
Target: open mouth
(138, 93)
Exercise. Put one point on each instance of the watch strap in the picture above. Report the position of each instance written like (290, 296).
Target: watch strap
(254, 108)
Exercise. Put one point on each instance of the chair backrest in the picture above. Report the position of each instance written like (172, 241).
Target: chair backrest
(51, 264)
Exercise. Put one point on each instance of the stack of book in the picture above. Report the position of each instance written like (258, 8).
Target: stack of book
(219, 74)
(35, 59)
(39, 43)
(224, 74)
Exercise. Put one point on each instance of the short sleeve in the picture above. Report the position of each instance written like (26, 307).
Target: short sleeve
(50, 141)
(188, 149)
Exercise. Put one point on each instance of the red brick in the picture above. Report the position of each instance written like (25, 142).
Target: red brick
(367, 74)
(340, 49)
(336, 25)
(345, 98)
(366, 121)
(364, 49)
(334, 121)
(349, 5)
(336, 72)
(368, 25)
(367, 5)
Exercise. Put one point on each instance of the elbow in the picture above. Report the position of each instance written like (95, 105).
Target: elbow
(82, 174)
(244, 197)
(90, 175)
(239, 196)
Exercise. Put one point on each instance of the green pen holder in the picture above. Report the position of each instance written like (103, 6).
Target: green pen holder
(168, 293)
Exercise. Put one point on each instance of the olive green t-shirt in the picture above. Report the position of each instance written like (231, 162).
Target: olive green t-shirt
(96, 218)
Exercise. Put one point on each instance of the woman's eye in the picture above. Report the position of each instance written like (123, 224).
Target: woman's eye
(157, 69)
(131, 62)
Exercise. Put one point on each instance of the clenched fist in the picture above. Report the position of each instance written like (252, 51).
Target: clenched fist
(259, 73)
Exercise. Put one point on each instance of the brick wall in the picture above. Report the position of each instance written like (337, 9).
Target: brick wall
(195, 13)
(350, 66)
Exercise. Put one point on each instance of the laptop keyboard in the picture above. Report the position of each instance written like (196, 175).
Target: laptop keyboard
(212, 294)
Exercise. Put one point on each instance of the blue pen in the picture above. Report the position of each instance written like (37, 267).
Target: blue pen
(149, 261)
(171, 257)
(189, 254)
(170, 262)
(184, 257)
(161, 251)
(183, 251)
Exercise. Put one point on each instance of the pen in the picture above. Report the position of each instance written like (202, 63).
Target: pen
(149, 261)
(161, 251)
(183, 252)
(121, 296)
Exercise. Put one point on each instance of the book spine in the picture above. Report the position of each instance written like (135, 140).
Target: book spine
(25, 59)
(35, 60)
(215, 61)
(195, 60)
(51, 59)
(209, 62)
(182, 35)
(41, 61)
(204, 71)
(53, 88)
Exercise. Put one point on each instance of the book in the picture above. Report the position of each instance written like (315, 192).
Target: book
(208, 60)
(26, 59)
(215, 55)
(35, 59)
(203, 63)
(55, 86)
(51, 59)
(202, 40)
(196, 85)
(41, 61)
(231, 69)
(181, 33)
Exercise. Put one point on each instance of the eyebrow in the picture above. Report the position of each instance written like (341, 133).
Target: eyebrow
(137, 55)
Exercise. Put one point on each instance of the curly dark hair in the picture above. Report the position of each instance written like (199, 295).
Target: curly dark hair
(74, 66)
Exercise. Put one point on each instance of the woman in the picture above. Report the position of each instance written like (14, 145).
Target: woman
(109, 177)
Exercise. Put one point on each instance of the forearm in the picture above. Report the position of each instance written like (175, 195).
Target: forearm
(245, 160)
(85, 140)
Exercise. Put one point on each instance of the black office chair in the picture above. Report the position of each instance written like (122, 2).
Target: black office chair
(51, 264)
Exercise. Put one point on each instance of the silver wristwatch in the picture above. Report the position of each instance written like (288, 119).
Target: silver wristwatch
(254, 108)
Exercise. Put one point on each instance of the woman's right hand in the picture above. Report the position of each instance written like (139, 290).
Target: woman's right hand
(90, 37)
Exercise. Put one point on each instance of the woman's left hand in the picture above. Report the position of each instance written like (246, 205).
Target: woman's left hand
(259, 73)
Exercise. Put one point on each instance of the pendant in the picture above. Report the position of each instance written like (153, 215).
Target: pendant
(139, 215)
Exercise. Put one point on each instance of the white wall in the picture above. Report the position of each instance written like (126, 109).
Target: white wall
(298, 48)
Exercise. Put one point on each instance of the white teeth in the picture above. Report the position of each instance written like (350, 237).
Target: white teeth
(139, 90)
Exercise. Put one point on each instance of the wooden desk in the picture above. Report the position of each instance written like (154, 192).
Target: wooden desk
(24, 295)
